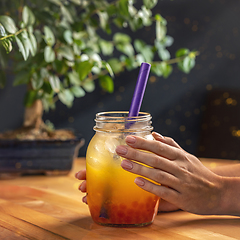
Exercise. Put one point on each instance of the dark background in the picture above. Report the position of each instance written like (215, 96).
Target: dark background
(177, 104)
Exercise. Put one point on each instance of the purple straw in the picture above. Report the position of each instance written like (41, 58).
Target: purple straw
(139, 90)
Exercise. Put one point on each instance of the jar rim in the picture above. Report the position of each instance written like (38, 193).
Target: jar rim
(121, 116)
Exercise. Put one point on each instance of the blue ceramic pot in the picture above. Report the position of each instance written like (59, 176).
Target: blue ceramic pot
(19, 157)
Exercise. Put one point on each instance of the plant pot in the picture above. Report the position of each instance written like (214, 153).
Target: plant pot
(50, 157)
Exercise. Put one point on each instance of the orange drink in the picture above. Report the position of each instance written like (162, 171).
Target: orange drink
(113, 197)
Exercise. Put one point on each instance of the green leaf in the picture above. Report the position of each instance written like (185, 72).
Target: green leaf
(77, 91)
(161, 29)
(68, 36)
(103, 17)
(182, 52)
(7, 44)
(121, 38)
(47, 88)
(150, 3)
(164, 54)
(28, 16)
(49, 55)
(44, 73)
(145, 50)
(2, 79)
(26, 43)
(139, 45)
(2, 31)
(140, 59)
(106, 83)
(55, 83)
(125, 48)
(145, 15)
(156, 69)
(8, 24)
(66, 52)
(22, 77)
(66, 14)
(88, 86)
(187, 64)
(48, 36)
(166, 69)
(136, 23)
(108, 67)
(37, 81)
(130, 63)
(30, 98)
(3, 57)
(83, 69)
(66, 97)
(48, 102)
(74, 78)
(106, 47)
(76, 50)
(33, 43)
(60, 66)
(115, 65)
(123, 7)
(21, 48)
(168, 41)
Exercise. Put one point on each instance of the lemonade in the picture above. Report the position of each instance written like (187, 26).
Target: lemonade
(113, 197)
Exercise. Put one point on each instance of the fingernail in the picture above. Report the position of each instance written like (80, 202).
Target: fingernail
(126, 165)
(130, 139)
(159, 135)
(76, 175)
(121, 150)
(84, 199)
(139, 182)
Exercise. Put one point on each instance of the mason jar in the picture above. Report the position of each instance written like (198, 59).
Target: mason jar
(113, 197)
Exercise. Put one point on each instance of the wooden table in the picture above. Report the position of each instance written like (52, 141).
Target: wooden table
(50, 207)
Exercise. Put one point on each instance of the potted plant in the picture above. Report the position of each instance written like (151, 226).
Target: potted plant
(59, 49)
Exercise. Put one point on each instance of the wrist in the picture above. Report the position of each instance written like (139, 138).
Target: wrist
(230, 195)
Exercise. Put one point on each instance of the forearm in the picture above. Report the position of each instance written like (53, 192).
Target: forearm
(231, 170)
(230, 204)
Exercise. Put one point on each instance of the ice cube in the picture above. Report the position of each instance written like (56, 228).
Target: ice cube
(111, 144)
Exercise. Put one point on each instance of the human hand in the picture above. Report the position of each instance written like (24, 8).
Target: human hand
(185, 181)
(81, 175)
(164, 206)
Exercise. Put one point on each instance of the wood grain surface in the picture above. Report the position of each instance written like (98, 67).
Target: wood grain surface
(50, 207)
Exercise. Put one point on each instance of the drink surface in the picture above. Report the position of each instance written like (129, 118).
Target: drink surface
(113, 197)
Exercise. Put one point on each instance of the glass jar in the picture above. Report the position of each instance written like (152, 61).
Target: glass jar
(113, 197)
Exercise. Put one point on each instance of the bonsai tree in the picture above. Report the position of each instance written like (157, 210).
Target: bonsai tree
(61, 48)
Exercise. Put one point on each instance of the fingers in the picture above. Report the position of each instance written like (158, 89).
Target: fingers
(156, 175)
(81, 175)
(83, 186)
(147, 158)
(163, 192)
(157, 147)
(166, 140)
(84, 199)
(165, 206)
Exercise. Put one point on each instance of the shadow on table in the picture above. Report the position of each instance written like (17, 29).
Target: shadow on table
(111, 232)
